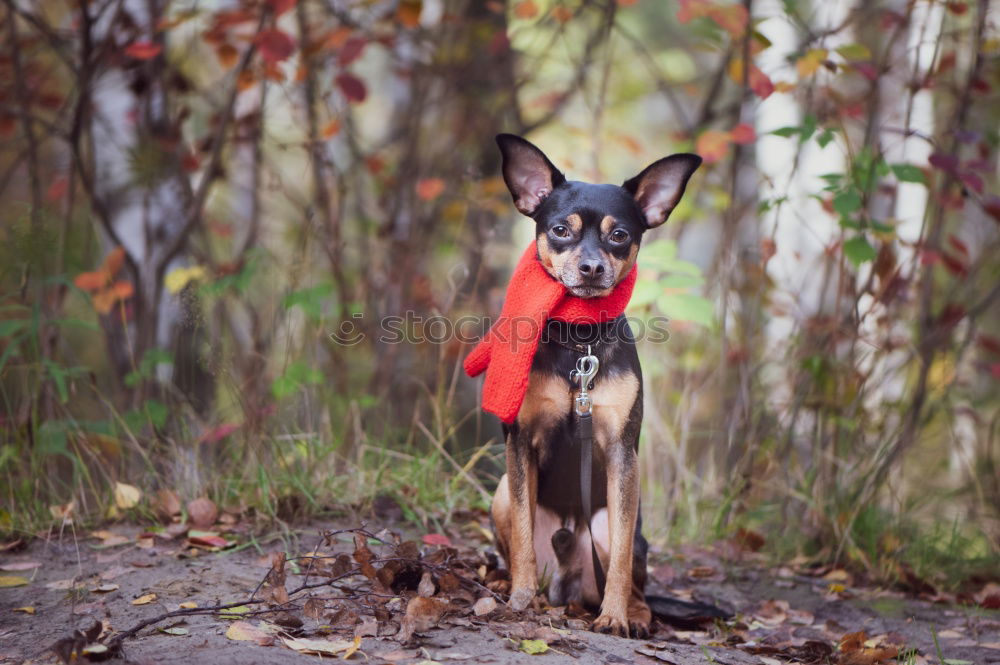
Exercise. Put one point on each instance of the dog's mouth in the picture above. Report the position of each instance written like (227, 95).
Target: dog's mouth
(588, 291)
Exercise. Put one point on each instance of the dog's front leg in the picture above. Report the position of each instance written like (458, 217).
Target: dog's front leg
(623, 507)
(522, 480)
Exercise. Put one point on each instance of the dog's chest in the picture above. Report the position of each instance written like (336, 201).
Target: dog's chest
(547, 410)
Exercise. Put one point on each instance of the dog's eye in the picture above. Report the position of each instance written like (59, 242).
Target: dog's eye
(618, 236)
(560, 231)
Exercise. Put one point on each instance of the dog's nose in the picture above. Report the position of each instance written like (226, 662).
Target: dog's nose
(591, 268)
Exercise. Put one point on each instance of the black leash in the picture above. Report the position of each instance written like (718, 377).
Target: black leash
(586, 369)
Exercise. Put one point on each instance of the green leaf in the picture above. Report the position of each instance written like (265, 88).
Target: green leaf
(156, 412)
(680, 281)
(12, 326)
(646, 292)
(310, 299)
(687, 307)
(908, 173)
(848, 223)
(658, 252)
(786, 132)
(825, 137)
(882, 227)
(854, 52)
(808, 127)
(858, 250)
(533, 647)
(58, 375)
(847, 201)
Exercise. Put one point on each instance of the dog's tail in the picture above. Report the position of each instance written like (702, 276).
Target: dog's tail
(684, 614)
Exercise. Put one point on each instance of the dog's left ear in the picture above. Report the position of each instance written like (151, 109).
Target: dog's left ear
(659, 187)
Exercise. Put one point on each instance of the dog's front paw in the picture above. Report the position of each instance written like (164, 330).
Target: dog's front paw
(521, 598)
(611, 625)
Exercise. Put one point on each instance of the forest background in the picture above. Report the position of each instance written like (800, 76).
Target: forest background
(211, 208)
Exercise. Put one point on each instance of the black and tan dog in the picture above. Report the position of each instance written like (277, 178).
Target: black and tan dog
(587, 238)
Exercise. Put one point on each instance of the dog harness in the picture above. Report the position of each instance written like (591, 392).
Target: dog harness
(533, 297)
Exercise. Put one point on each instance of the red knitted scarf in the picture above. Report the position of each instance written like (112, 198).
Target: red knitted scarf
(533, 297)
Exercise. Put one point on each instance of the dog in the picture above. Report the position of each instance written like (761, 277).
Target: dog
(587, 238)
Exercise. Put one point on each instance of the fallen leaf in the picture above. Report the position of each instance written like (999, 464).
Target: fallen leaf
(12, 581)
(436, 186)
(174, 631)
(232, 613)
(27, 609)
(105, 588)
(533, 647)
(144, 600)
(189, 605)
(421, 614)
(244, 631)
(320, 647)
(127, 496)
(15, 566)
(426, 587)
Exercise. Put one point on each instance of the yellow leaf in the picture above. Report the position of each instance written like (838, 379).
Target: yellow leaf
(144, 600)
(127, 496)
(12, 580)
(784, 86)
(25, 610)
(836, 588)
(188, 605)
(354, 648)
(810, 62)
(178, 278)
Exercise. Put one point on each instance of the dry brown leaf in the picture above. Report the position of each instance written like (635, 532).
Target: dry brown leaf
(421, 614)
(17, 566)
(166, 504)
(321, 647)
(243, 631)
(127, 496)
(144, 600)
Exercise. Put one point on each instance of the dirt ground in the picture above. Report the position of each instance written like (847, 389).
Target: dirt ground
(122, 577)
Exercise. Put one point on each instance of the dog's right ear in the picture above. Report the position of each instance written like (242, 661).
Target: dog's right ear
(529, 174)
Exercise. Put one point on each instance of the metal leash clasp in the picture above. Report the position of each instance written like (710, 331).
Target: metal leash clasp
(586, 370)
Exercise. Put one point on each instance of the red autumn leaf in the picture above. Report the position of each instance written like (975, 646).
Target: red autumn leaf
(940, 160)
(274, 45)
(957, 8)
(208, 541)
(526, 9)
(950, 315)
(712, 145)
(499, 43)
(562, 14)
(429, 189)
(351, 51)
(436, 539)
(972, 181)
(990, 343)
(954, 265)
(759, 82)
(374, 164)
(352, 87)
(331, 129)
(57, 189)
(957, 244)
(227, 55)
(743, 134)
(122, 289)
(279, 7)
(143, 50)
(408, 13)
(219, 432)
(992, 207)
(91, 281)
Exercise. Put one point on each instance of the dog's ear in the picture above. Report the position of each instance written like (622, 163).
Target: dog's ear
(660, 185)
(529, 174)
